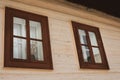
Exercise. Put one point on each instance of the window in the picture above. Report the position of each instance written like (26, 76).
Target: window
(27, 42)
(89, 45)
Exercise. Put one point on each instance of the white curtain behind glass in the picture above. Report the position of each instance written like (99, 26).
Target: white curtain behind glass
(19, 45)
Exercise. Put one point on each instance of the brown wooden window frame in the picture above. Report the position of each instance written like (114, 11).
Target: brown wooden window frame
(92, 64)
(9, 61)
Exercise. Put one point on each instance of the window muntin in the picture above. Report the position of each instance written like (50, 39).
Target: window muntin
(85, 47)
(27, 40)
(90, 49)
(19, 44)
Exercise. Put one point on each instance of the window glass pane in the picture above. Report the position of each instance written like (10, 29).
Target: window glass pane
(19, 48)
(97, 55)
(86, 54)
(93, 39)
(36, 50)
(35, 30)
(19, 27)
(82, 36)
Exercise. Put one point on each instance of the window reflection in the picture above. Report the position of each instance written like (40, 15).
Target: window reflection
(93, 39)
(86, 54)
(35, 30)
(36, 51)
(19, 27)
(19, 48)
(97, 55)
(82, 36)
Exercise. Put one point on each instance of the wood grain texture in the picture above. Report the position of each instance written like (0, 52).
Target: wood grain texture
(64, 52)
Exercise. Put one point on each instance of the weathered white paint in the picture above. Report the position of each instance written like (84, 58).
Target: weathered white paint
(64, 54)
